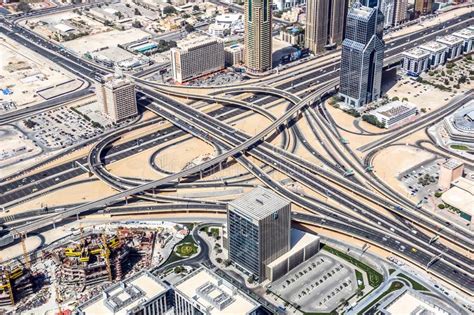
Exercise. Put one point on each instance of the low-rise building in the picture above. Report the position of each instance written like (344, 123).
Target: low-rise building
(204, 292)
(454, 44)
(293, 35)
(438, 53)
(196, 57)
(303, 247)
(116, 96)
(449, 171)
(394, 113)
(143, 293)
(409, 301)
(234, 55)
(416, 60)
(467, 35)
(283, 5)
(461, 197)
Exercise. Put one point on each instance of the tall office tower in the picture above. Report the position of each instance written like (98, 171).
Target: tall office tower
(423, 7)
(116, 95)
(387, 7)
(401, 7)
(195, 57)
(258, 226)
(362, 56)
(258, 35)
(324, 24)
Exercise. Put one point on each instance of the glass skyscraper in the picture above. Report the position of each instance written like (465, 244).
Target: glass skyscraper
(362, 56)
(258, 226)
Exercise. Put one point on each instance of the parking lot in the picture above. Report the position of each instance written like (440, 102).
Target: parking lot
(422, 180)
(318, 285)
(59, 128)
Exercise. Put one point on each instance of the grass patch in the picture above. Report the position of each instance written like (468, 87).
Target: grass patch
(173, 257)
(416, 285)
(459, 147)
(375, 278)
(360, 278)
(391, 270)
(186, 249)
(396, 285)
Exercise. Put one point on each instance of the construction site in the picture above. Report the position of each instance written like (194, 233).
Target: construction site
(60, 276)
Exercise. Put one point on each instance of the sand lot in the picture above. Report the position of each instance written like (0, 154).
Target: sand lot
(106, 39)
(24, 72)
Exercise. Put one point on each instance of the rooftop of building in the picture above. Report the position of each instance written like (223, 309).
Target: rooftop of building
(411, 303)
(416, 53)
(461, 195)
(294, 30)
(393, 109)
(466, 33)
(126, 295)
(450, 40)
(235, 47)
(433, 46)
(259, 203)
(115, 81)
(228, 18)
(452, 164)
(214, 294)
(196, 42)
(361, 11)
(299, 240)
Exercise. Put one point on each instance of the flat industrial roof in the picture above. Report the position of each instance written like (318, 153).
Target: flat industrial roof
(433, 46)
(416, 53)
(408, 303)
(208, 290)
(393, 109)
(144, 284)
(465, 33)
(461, 195)
(450, 40)
(259, 203)
(299, 240)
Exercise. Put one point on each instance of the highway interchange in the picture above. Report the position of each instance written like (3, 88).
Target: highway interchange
(312, 85)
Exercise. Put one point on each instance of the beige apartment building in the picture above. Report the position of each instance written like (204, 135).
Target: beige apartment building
(325, 20)
(449, 172)
(195, 57)
(258, 35)
(116, 96)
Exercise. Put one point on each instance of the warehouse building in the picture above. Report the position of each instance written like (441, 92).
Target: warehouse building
(394, 113)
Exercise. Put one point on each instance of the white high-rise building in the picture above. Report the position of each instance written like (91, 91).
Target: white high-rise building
(116, 96)
(196, 57)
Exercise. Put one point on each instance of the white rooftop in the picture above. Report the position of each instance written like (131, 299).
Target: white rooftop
(131, 292)
(64, 28)
(461, 195)
(393, 109)
(214, 294)
(450, 40)
(416, 53)
(433, 46)
(227, 18)
(259, 203)
(466, 33)
(408, 304)
(195, 42)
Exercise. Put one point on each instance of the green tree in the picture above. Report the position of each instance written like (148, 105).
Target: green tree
(169, 10)
(441, 206)
(189, 28)
(23, 7)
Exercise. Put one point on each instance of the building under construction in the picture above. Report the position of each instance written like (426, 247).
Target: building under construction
(15, 283)
(98, 258)
(93, 260)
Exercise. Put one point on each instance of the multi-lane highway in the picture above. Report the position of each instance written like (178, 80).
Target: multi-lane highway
(365, 222)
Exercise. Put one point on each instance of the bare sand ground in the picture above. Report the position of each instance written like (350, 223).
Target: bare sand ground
(405, 157)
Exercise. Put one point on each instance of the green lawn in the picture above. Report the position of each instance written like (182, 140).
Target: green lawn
(361, 278)
(375, 278)
(186, 249)
(173, 257)
(416, 285)
(459, 147)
